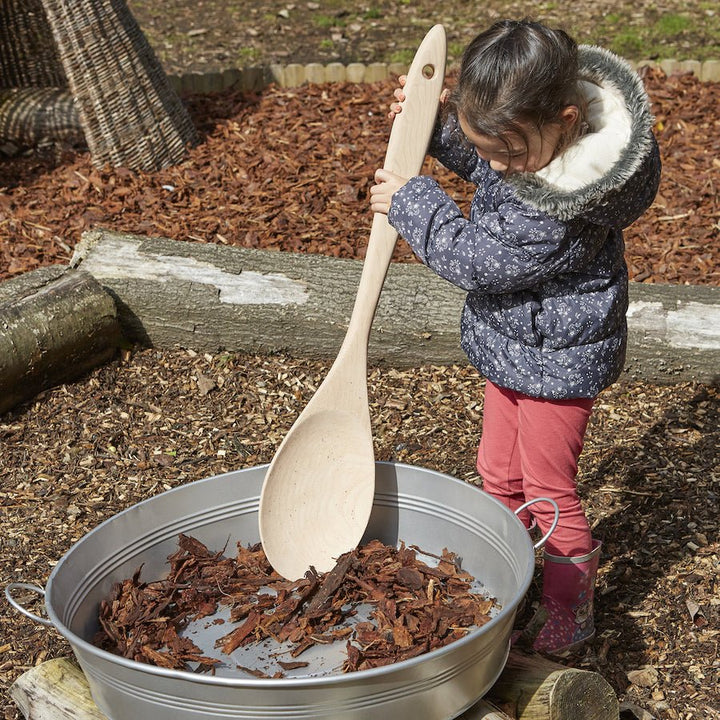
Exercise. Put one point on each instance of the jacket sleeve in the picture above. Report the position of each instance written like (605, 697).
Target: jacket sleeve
(450, 146)
(503, 250)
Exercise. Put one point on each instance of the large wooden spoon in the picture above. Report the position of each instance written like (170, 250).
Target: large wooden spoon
(318, 491)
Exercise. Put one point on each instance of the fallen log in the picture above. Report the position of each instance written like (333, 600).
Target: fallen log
(530, 688)
(211, 297)
(55, 324)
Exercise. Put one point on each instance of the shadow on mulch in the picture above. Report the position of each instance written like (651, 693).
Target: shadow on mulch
(653, 520)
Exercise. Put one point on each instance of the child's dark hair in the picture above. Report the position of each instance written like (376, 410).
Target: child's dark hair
(518, 71)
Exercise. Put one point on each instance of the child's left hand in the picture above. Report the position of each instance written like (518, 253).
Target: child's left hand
(388, 184)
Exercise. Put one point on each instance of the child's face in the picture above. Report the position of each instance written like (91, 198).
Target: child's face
(512, 153)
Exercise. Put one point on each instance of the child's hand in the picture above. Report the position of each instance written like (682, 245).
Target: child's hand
(399, 95)
(381, 194)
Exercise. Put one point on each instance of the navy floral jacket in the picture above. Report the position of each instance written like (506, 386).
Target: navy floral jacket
(542, 254)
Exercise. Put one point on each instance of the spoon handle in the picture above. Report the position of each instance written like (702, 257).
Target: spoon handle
(407, 147)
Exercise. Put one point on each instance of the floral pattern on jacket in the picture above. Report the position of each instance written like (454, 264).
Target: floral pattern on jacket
(542, 255)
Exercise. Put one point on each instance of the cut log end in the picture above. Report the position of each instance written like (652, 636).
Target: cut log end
(536, 688)
(53, 333)
(582, 694)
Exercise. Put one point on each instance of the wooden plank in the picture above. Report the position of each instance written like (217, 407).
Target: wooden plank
(211, 297)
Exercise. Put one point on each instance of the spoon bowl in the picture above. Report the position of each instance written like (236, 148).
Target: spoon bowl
(341, 463)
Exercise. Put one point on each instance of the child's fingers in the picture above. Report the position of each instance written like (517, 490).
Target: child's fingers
(396, 108)
(381, 193)
(380, 203)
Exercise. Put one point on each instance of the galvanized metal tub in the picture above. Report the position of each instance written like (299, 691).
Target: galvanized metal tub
(414, 505)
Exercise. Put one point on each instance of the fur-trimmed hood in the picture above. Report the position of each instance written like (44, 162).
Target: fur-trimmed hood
(585, 179)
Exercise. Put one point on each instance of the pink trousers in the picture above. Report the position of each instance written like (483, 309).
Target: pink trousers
(529, 448)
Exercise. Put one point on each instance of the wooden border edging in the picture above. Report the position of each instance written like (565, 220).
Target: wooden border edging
(211, 297)
(254, 79)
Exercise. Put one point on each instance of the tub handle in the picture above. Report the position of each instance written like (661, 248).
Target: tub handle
(26, 586)
(545, 537)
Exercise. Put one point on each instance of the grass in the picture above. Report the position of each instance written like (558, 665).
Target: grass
(372, 14)
(247, 56)
(455, 49)
(401, 56)
(670, 24)
(325, 21)
(668, 35)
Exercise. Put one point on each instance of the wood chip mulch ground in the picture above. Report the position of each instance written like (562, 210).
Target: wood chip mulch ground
(290, 169)
(152, 420)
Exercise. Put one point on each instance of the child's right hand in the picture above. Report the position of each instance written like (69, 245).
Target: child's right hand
(399, 95)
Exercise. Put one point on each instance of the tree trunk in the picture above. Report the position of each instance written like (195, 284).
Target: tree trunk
(210, 297)
(54, 326)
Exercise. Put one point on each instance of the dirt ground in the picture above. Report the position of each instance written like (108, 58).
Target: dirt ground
(151, 420)
(212, 34)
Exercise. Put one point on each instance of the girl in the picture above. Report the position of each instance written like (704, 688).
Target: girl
(558, 140)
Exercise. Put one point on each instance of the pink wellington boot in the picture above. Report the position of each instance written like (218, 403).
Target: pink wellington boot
(567, 600)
